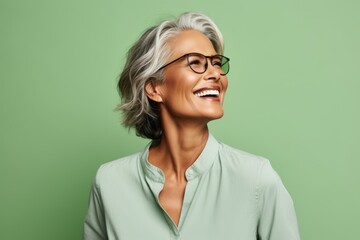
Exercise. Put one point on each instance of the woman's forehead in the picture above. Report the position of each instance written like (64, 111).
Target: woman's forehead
(189, 41)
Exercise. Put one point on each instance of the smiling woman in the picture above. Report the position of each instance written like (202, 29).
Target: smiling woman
(184, 184)
(188, 82)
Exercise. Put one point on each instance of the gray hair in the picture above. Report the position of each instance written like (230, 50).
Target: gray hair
(144, 59)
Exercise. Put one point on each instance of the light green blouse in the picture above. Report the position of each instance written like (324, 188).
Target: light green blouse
(230, 194)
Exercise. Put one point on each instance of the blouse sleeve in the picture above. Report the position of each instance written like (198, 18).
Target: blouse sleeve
(94, 224)
(277, 218)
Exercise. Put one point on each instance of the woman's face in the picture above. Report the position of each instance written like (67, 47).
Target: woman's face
(186, 94)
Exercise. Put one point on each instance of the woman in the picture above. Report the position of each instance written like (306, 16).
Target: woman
(184, 184)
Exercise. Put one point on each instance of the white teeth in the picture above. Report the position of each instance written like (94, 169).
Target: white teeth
(207, 92)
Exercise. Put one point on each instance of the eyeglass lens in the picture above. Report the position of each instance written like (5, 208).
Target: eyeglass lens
(199, 64)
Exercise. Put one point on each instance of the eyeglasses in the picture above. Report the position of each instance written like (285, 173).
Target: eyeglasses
(198, 62)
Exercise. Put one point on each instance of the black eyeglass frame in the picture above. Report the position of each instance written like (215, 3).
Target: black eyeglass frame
(206, 65)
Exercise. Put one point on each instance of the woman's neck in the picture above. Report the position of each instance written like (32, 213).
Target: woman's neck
(179, 147)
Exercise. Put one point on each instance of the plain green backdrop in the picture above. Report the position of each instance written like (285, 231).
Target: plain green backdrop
(293, 97)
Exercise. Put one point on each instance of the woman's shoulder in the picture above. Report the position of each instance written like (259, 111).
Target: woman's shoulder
(236, 156)
(120, 168)
(249, 164)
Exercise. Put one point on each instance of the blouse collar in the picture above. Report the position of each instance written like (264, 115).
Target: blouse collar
(201, 165)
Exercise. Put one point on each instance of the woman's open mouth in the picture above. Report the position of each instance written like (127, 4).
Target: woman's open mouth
(207, 93)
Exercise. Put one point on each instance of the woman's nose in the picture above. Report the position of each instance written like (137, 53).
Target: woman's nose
(212, 72)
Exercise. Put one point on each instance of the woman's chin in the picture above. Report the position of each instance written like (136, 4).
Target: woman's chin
(215, 115)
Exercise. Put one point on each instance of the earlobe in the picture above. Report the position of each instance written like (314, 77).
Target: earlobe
(152, 91)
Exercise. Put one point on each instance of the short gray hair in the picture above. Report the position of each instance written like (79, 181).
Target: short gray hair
(144, 59)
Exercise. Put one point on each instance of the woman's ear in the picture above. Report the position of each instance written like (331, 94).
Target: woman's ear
(152, 91)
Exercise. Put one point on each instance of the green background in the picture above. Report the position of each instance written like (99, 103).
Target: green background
(293, 97)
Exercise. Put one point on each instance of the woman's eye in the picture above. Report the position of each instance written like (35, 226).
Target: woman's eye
(195, 62)
(217, 63)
